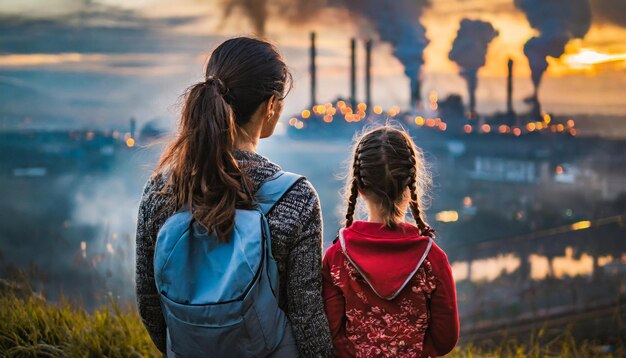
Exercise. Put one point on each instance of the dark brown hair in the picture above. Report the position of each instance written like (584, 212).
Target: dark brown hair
(386, 167)
(202, 171)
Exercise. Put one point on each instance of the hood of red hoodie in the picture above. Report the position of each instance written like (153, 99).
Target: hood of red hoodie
(386, 258)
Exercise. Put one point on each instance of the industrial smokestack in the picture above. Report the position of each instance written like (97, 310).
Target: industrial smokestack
(416, 95)
(353, 73)
(509, 88)
(396, 22)
(368, 74)
(313, 71)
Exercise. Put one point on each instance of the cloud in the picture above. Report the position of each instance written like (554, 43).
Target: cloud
(34, 8)
(133, 64)
(465, 7)
(117, 60)
(95, 31)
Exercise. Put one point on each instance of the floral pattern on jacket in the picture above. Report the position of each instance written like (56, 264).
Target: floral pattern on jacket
(379, 328)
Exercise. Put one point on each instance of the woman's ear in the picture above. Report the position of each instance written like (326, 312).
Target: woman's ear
(271, 108)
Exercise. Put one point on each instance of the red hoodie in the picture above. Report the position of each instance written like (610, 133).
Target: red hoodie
(389, 293)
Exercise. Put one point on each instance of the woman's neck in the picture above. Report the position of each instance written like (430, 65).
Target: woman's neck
(246, 146)
(245, 141)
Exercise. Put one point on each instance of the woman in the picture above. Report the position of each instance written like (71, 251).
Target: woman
(211, 167)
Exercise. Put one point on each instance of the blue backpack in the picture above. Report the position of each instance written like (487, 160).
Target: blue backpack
(220, 299)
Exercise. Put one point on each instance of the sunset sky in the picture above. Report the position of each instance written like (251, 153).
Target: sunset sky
(103, 61)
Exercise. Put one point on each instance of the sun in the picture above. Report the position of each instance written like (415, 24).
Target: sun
(587, 58)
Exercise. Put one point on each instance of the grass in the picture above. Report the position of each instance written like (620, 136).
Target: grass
(565, 346)
(33, 327)
(30, 326)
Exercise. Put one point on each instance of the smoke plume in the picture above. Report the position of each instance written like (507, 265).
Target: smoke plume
(609, 11)
(558, 21)
(396, 22)
(255, 10)
(469, 51)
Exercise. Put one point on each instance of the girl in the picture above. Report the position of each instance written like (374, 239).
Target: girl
(212, 166)
(388, 288)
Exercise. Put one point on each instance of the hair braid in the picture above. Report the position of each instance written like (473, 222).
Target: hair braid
(354, 189)
(425, 229)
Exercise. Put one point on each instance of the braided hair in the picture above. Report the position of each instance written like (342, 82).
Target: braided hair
(386, 167)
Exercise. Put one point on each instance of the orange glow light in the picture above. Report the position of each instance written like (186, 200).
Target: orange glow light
(581, 225)
(393, 111)
(530, 126)
(130, 142)
(547, 118)
(517, 132)
(328, 118)
(306, 114)
(430, 122)
(433, 96)
(486, 128)
(293, 121)
(447, 216)
(419, 120)
(378, 109)
(570, 123)
(467, 128)
(558, 169)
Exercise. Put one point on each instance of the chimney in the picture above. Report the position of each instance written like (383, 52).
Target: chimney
(509, 89)
(472, 101)
(133, 127)
(353, 73)
(368, 75)
(416, 96)
(313, 71)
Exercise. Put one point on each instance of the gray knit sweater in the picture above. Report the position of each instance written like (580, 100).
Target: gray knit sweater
(296, 230)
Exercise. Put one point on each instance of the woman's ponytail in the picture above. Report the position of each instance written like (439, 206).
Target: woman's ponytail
(200, 164)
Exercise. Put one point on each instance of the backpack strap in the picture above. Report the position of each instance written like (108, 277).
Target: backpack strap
(274, 188)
